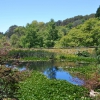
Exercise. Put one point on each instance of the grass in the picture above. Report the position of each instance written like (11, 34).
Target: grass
(71, 50)
(84, 71)
(31, 55)
(75, 58)
(34, 59)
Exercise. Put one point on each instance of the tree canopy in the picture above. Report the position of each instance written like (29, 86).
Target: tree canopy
(77, 31)
(87, 34)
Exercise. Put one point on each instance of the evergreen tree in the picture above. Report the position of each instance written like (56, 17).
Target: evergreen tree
(98, 13)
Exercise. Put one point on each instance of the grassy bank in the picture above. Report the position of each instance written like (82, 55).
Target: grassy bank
(75, 58)
(70, 50)
(30, 55)
(49, 54)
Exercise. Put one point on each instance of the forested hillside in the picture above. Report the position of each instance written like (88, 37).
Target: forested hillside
(87, 34)
(72, 22)
(72, 32)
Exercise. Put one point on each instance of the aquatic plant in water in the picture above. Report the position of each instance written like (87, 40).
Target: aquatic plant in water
(38, 87)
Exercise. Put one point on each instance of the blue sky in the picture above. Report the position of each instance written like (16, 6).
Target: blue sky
(21, 12)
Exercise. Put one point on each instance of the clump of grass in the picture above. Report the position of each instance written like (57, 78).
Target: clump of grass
(34, 59)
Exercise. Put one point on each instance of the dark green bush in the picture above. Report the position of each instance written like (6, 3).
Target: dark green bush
(62, 57)
(98, 58)
(83, 53)
(97, 50)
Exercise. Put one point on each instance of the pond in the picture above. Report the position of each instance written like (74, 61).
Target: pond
(53, 70)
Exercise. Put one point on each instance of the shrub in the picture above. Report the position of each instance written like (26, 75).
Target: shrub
(98, 58)
(9, 80)
(8, 83)
(83, 53)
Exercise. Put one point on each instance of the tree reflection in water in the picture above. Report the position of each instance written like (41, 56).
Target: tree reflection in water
(51, 72)
(49, 69)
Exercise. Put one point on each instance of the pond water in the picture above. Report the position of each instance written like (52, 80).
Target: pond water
(53, 70)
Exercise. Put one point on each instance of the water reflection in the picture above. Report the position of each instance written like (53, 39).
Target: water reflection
(51, 72)
(36, 65)
(49, 68)
(59, 73)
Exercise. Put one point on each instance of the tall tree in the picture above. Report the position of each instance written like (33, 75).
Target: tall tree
(10, 31)
(98, 13)
(52, 34)
(16, 36)
(30, 39)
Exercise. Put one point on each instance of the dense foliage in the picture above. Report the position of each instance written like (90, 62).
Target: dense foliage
(38, 87)
(90, 73)
(98, 13)
(9, 79)
(83, 53)
(40, 34)
(78, 31)
(86, 34)
(8, 83)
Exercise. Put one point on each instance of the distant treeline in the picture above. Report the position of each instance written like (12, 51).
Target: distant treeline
(79, 31)
(72, 22)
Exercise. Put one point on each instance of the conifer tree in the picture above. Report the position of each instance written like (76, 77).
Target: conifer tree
(98, 13)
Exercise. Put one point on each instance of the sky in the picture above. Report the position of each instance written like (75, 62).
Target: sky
(21, 12)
